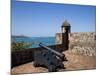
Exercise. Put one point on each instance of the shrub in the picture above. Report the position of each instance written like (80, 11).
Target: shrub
(17, 46)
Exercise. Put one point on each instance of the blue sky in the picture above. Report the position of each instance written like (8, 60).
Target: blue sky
(45, 19)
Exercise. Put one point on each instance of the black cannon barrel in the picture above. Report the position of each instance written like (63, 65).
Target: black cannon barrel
(52, 50)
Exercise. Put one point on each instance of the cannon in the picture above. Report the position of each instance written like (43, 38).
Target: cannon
(49, 58)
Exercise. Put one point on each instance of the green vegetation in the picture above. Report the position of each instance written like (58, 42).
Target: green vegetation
(17, 46)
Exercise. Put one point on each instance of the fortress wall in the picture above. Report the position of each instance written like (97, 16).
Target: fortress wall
(58, 38)
(81, 42)
(27, 55)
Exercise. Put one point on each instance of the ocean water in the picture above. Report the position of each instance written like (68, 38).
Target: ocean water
(36, 40)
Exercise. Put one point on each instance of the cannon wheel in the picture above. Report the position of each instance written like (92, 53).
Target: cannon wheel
(61, 66)
(36, 64)
(52, 68)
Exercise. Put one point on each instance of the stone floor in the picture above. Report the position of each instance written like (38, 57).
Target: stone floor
(75, 62)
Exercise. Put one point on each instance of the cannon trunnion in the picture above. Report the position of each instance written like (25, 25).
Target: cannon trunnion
(48, 58)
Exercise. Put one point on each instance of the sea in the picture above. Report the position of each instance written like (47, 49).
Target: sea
(36, 40)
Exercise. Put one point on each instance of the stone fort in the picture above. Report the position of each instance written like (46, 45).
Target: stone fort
(78, 42)
(83, 43)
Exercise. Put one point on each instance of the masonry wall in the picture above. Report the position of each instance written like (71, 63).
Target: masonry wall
(27, 55)
(58, 38)
(81, 42)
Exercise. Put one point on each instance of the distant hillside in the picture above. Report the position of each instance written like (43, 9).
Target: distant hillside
(19, 36)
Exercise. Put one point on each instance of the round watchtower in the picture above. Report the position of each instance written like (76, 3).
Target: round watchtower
(65, 28)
